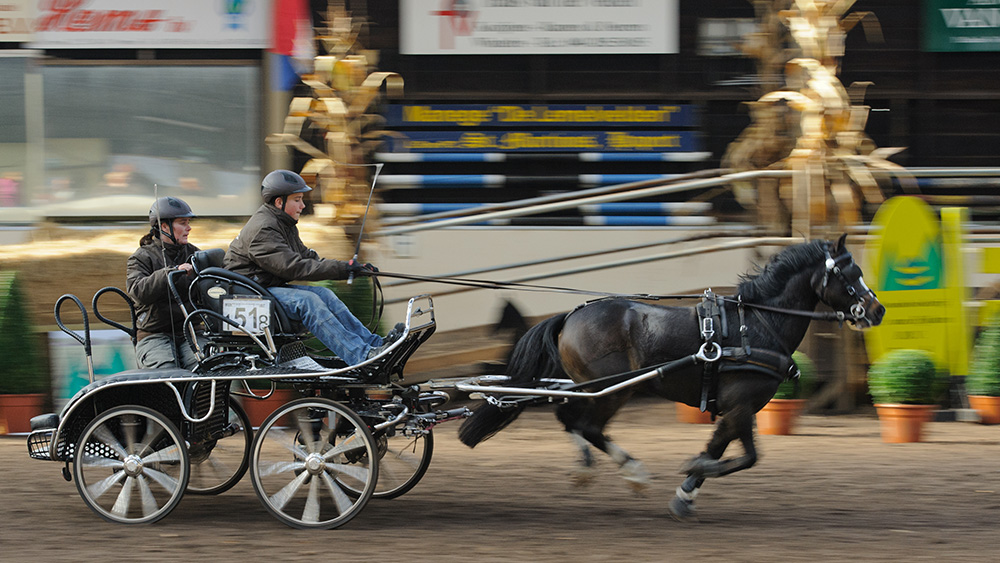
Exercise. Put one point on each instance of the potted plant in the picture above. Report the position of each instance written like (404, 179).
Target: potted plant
(779, 415)
(904, 385)
(692, 415)
(983, 382)
(23, 373)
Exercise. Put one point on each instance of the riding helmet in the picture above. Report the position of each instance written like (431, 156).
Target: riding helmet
(167, 209)
(282, 183)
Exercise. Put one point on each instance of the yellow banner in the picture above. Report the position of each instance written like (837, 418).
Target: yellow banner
(914, 264)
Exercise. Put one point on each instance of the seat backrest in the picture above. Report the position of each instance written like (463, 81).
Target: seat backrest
(213, 286)
(211, 258)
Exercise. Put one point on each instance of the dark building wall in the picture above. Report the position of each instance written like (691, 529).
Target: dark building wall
(942, 106)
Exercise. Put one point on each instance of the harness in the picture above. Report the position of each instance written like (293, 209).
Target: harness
(717, 359)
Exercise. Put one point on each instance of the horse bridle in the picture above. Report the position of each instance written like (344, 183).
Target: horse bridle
(836, 266)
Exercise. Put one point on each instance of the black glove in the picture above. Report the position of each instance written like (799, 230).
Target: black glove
(356, 268)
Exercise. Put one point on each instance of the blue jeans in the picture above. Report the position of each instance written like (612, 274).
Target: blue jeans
(330, 321)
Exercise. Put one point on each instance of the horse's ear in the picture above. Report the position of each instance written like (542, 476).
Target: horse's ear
(841, 246)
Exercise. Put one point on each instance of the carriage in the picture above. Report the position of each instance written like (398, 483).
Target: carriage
(136, 441)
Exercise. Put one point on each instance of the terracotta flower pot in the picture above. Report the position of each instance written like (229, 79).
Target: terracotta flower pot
(257, 410)
(692, 415)
(903, 423)
(778, 417)
(16, 411)
(987, 407)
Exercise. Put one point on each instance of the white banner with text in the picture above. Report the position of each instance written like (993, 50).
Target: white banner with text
(523, 27)
(151, 24)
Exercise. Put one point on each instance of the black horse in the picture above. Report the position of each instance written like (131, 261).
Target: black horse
(732, 372)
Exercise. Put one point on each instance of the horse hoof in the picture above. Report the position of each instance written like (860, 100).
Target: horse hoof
(682, 510)
(584, 476)
(636, 475)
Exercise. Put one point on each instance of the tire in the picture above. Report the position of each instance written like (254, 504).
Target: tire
(303, 473)
(131, 465)
(218, 466)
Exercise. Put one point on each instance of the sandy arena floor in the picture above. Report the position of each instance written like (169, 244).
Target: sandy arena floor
(833, 492)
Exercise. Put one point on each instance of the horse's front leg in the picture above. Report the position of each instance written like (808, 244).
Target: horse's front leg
(736, 425)
(708, 463)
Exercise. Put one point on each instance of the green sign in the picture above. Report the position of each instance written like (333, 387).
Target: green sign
(961, 25)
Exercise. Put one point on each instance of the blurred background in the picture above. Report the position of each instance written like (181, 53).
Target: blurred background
(104, 103)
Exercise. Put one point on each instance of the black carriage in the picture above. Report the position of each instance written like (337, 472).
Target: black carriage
(136, 441)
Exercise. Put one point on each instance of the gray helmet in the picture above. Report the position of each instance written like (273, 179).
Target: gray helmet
(282, 183)
(168, 208)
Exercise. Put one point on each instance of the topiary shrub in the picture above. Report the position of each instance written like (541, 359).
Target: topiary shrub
(907, 377)
(801, 388)
(22, 366)
(984, 374)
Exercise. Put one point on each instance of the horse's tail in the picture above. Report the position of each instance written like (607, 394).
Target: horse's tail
(535, 357)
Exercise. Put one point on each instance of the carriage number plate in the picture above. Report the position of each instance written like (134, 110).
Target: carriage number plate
(253, 314)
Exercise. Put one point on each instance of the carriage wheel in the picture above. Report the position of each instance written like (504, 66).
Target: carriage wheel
(402, 461)
(131, 465)
(303, 473)
(217, 467)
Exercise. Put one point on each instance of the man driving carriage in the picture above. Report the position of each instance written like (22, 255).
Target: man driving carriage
(269, 251)
(164, 249)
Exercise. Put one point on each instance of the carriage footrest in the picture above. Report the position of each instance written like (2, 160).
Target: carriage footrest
(39, 443)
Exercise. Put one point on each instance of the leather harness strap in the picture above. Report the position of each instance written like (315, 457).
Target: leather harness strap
(711, 314)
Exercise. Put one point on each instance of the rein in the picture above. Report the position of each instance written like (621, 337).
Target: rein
(490, 284)
(837, 316)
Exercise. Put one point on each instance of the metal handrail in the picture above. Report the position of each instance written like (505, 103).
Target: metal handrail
(659, 189)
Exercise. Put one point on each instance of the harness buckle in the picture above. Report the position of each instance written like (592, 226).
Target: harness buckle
(707, 328)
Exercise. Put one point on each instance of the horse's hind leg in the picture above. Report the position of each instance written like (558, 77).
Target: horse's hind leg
(585, 422)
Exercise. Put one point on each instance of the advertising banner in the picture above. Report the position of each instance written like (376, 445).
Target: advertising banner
(112, 353)
(961, 25)
(16, 18)
(914, 264)
(151, 24)
(556, 115)
(549, 141)
(522, 27)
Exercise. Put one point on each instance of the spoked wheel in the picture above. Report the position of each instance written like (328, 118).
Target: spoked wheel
(402, 461)
(131, 465)
(220, 464)
(307, 457)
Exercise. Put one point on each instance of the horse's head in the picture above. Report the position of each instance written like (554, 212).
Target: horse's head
(841, 286)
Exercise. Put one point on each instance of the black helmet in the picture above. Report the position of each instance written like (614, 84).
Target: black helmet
(282, 183)
(167, 208)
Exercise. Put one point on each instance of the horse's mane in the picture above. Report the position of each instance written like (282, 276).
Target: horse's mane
(771, 280)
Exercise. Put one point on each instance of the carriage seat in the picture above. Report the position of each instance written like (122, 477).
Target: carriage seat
(213, 283)
(211, 258)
